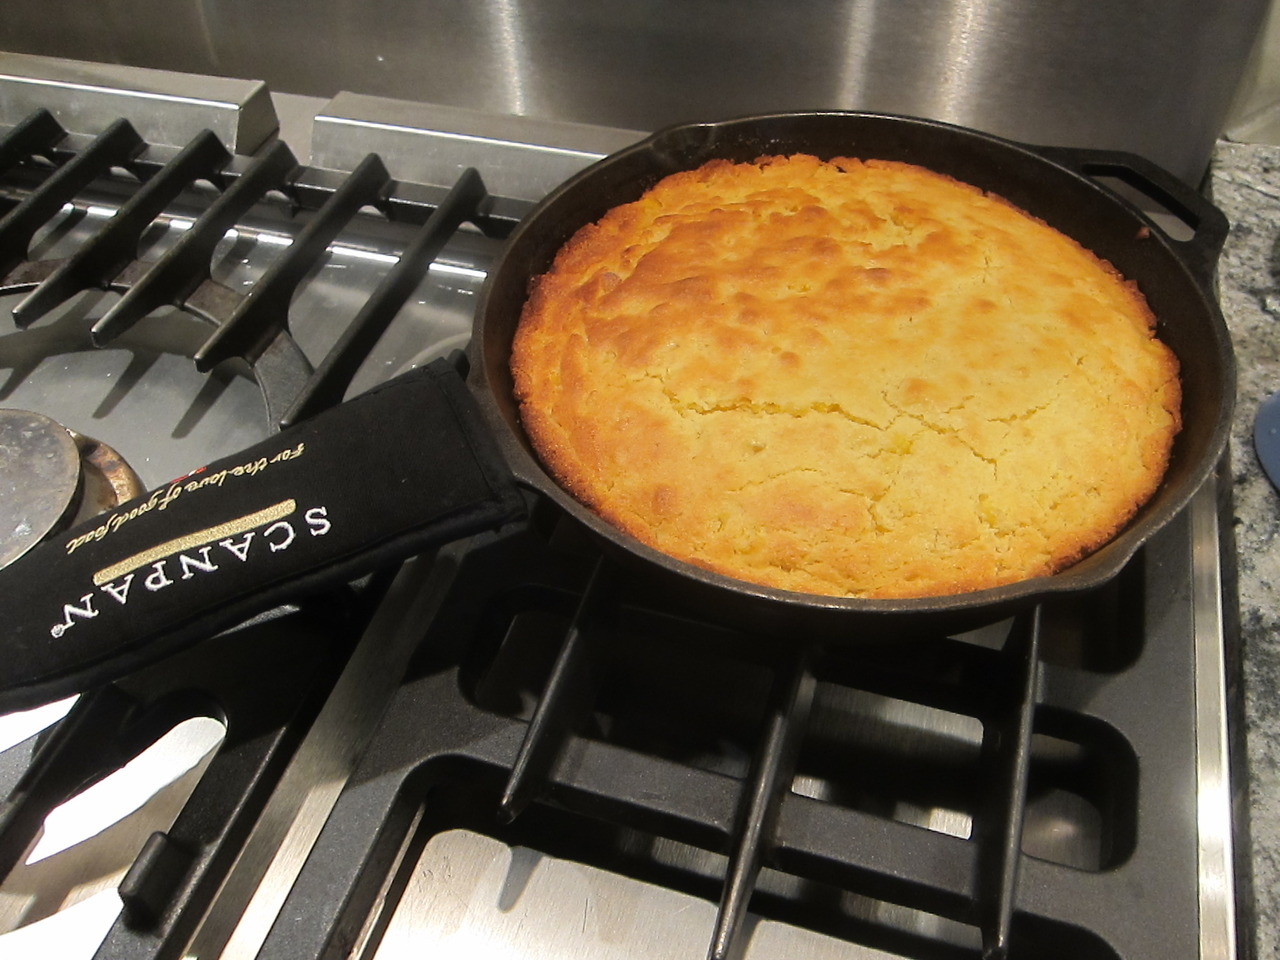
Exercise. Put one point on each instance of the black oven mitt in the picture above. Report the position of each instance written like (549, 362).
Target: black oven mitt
(405, 467)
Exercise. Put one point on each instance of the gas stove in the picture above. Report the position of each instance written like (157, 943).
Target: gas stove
(508, 747)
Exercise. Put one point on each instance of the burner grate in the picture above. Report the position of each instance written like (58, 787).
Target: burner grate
(1045, 745)
(251, 326)
(264, 681)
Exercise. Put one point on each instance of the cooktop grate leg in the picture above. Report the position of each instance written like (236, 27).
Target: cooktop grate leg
(772, 769)
(177, 274)
(568, 697)
(1009, 731)
(101, 258)
(114, 147)
(334, 373)
(263, 313)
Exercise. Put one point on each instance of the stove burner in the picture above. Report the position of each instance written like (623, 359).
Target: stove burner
(108, 480)
(51, 478)
(40, 479)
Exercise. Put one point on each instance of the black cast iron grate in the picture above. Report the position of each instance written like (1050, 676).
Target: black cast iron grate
(252, 326)
(1090, 698)
(264, 681)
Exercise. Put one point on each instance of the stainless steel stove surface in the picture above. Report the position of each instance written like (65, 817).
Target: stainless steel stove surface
(510, 748)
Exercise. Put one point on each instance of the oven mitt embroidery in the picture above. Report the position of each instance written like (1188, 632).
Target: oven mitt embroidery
(405, 467)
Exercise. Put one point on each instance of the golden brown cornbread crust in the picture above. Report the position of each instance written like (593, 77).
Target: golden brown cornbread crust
(846, 378)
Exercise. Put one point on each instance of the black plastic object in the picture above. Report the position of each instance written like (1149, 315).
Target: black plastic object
(1266, 437)
(1057, 185)
(402, 468)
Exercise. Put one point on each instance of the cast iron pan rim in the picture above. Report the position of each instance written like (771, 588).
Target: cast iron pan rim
(1093, 571)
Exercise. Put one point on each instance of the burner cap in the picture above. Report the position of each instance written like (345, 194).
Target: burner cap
(39, 480)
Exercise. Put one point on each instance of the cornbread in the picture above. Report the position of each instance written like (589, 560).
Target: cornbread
(850, 378)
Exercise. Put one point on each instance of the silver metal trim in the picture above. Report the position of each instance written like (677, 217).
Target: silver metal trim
(1213, 775)
(430, 143)
(165, 108)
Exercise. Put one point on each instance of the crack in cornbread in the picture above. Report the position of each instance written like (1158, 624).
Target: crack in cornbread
(845, 378)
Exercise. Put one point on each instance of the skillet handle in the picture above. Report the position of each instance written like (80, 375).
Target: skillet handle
(1207, 224)
(402, 468)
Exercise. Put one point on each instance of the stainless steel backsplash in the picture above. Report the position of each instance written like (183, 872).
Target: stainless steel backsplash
(1156, 77)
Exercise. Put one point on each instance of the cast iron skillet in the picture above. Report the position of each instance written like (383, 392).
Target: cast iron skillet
(1058, 185)
(425, 458)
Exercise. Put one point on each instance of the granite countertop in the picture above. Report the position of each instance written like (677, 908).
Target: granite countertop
(1246, 187)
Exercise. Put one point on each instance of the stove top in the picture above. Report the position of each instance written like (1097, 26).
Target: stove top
(509, 747)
